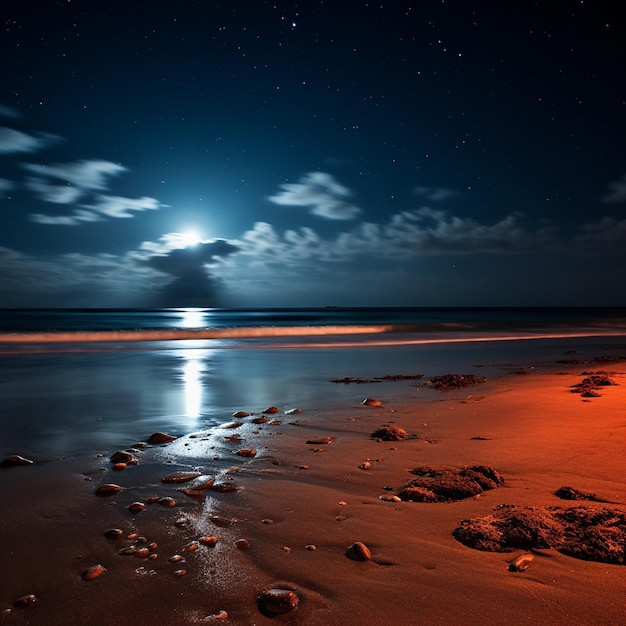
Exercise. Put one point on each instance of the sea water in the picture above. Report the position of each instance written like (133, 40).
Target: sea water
(85, 381)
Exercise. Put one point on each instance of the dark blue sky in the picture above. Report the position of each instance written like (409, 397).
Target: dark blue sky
(424, 153)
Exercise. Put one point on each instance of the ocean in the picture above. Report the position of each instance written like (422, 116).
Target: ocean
(76, 382)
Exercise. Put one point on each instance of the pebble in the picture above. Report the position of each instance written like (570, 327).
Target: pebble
(128, 551)
(277, 601)
(246, 452)
(365, 466)
(108, 489)
(293, 411)
(521, 563)
(118, 467)
(205, 484)
(358, 551)
(14, 460)
(286, 549)
(242, 544)
(157, 438)
(389, 497)
(142, 553)
(371, 402)
(191, 547)
(241, 414)
(167, 501)
(221, 521)
(175, 558)
(215, 616)
(180, 477)
(180, 572)
(25, 601)
(311, 547)
(321, 441)
(224, 487)
(121, 456)
(266, 520)
(260, 420)
(208, 540)
(93, 572)
(136, 507)
(181, 522)
(272, 409)
(113, 533)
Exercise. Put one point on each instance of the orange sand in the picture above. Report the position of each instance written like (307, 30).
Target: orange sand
(540, 436)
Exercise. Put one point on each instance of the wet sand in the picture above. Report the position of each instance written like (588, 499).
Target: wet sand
(312, 489)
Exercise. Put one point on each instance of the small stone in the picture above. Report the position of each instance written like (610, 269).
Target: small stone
(521, 563)
(181, 522)
(180, 477)
(108, 489)
(118, 467)
(167, 501)
(320, 441)
(194, 493)
(266, 520)
(242, 544)
(241, 414)
(152, 500)
(216, 616)
(389, 497)
(128, 551)
(15, 460)
(277, 601)
(205, 484)
(293, 411)
(371, 402)
(142, 553)
(191, 547)
(260, 420)
(246, 452)
(158, 438)
(358, 551)
(121, 456)
(93, 572)
(224, 487)
(208, 540)
(25, 601)
(365, 466)
(113, 533)
(180, 572)
(223, 522)
(136, 507)
(311, 548)
(286, 549)
(175, 558)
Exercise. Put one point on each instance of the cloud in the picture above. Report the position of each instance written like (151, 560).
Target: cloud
(605, 235)
(66, 183)
(321, 193)
(15, 141)
(435, 194)
(191, 284)
(618, 191)
(86, 175)
(118, 206)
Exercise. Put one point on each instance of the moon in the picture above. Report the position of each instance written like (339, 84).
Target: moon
(190, 238)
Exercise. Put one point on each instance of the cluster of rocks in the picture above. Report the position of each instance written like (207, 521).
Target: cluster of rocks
(588, 387)
(348, 380)
(449, 382)
(582, 532)
(449, 483)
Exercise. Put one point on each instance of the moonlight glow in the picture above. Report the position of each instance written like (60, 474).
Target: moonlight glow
(190, 238)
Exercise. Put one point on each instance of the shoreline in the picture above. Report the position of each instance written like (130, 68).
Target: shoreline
(293, 496)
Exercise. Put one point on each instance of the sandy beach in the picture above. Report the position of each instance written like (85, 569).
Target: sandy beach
(298, 517)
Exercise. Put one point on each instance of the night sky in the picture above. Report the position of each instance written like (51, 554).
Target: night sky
(258, 154)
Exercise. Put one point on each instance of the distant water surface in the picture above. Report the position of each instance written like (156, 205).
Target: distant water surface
(76, 381)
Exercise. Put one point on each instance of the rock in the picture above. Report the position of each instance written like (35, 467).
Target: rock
(272, 602)
(241, 414)
(158, 438)
(113, 533)
(260, 420)
(180, 477)
(208, 540)
(242, 544)
(388, 432)
(246, 452)
(216, 616)
(14, 460)
(167, 501)
(521, 563)
(136, 507)
(372, 402)
(321, 441)
(272, 409)
(293, 411)
(108, 489)
(93, 572)
(454, 381)
(121, 456)
(24, 601)
(358, 551)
